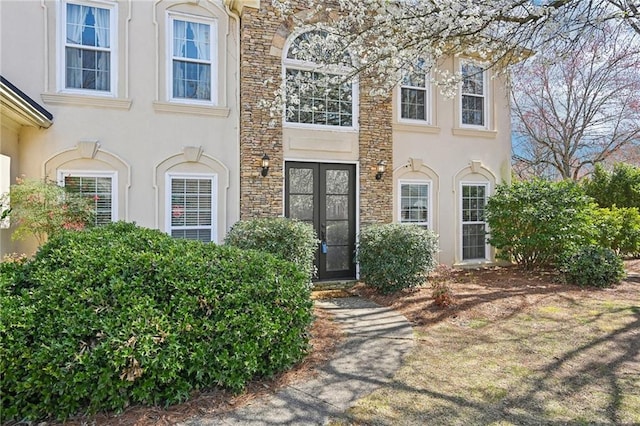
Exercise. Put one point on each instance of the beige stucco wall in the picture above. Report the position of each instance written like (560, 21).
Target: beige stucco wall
(446, 154)
(139, 132)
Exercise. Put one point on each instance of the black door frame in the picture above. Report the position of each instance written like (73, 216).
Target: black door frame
(319, 212)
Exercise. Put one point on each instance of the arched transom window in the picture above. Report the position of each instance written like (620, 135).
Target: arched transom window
(318, 94)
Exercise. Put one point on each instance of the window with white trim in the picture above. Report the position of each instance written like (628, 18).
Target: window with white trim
(192, 52)
(474, 227)
(473, 97)
(415, 202)
(415, 95)
(89, 41)
(317, 97)
(99, 187)
(191, 207)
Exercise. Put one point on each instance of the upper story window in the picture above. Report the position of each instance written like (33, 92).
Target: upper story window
(317, 95)
(89, 46)
(415, 95)
(192, 71)
(473, 95)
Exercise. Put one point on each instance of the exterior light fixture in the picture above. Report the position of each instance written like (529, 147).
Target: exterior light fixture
(265, 165)
(380, 170)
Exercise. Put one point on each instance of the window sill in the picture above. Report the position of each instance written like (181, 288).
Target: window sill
(480, 133)
(415, 128)
(320, 127)
(474, 263)
(86, 100)
(212, 111)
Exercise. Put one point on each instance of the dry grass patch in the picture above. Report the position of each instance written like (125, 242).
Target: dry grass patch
(516, 348)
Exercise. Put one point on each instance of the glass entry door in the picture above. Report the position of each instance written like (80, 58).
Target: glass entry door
(323, 195)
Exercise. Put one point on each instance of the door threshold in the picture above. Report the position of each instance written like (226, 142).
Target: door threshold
(334, 284)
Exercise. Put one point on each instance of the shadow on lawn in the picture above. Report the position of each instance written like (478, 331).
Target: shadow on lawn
(609, 362)
(528, 407)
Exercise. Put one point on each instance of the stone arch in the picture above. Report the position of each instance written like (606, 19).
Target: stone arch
(289, 28)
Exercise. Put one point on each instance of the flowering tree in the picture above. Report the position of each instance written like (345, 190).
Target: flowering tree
(42, 208)
(388, 37)
(574, 110)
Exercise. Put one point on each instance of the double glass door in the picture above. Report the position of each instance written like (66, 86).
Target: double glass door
(323, 195)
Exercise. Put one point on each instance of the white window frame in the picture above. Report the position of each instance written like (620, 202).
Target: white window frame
(62, 45)
(306, 66)
(214, 201)
(96, 174)
(429, 222)
(427, 98)
(485, 96)
(213, 55)
(487, 253)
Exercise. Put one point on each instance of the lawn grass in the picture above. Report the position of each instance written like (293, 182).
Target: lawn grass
(515, 351)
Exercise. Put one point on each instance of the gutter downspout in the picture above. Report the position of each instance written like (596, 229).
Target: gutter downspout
(236, 17)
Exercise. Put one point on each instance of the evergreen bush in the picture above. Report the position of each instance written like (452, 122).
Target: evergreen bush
(288, 239)
(120, 315)
(395, 256)
(534, 223)
(619, 229)
(619, 187)
(593, 266)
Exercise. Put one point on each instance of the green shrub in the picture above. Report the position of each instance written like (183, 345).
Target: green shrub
(535, 222)
(619, 187)
(619, 229)
(395, 256)
(121, 315)
(287, 239)
(593, 266)
(41, 208)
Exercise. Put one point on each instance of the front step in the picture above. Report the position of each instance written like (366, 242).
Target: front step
(333, 285)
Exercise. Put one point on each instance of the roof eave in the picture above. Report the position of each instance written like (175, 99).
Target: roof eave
(17, 105)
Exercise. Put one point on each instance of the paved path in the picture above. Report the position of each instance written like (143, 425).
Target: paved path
(377, 338)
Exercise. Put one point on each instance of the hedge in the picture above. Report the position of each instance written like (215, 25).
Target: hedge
(121, 315)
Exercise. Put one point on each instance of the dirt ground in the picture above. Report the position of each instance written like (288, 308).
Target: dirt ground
(488, 293)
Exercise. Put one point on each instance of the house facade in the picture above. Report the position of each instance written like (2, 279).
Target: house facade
(157, 114)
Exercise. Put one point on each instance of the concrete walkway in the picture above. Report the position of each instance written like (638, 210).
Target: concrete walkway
(377, 338)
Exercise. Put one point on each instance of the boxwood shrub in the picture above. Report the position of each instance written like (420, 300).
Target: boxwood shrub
(285, 238)
(121, 315)
(593, 266)
(394, 256)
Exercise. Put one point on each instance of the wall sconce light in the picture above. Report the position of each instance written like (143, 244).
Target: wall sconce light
(265, 165)
(380, 170)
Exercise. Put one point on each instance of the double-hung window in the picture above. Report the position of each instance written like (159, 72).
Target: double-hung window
(89, 46)
(473, 95)
(192, 54)
(98, 187)
(191, 208)
(474, 227)
(317, 97)
(414, 96)
(415, 199)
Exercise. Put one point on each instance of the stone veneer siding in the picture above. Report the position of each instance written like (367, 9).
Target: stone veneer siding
(259, 196)
(263, 34)
(376, 144)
